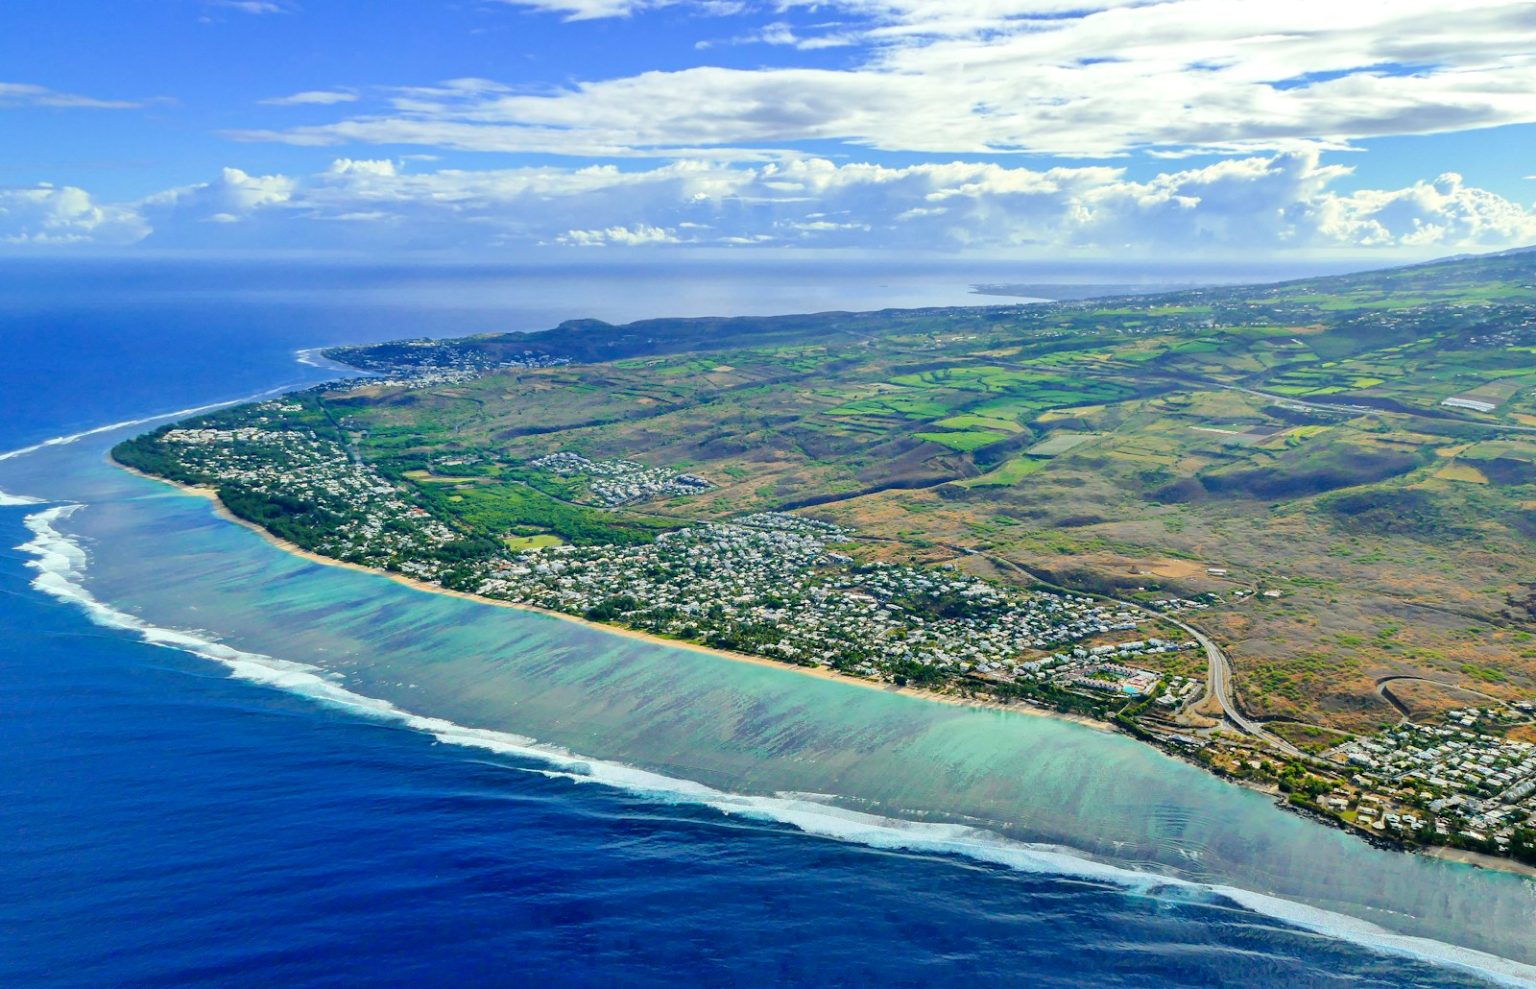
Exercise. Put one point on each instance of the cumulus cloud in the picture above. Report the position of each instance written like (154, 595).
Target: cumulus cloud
(1445, 211)
(1259, 204)
(623, 236)
(20, 94)
(1066, 77)
(50, 216)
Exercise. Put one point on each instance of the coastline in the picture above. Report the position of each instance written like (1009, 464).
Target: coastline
(1443, 853)
(823, 673)
(1479, 860)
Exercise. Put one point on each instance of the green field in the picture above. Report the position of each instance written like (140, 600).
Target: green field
(1292, 435)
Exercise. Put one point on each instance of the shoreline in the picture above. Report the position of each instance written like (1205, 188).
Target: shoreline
(210, 495)
(1479, 860)
(1460, 856)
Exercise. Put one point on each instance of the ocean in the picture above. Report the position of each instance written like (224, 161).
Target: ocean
(221, 765)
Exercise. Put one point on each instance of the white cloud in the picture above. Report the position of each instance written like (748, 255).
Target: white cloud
(1272, 87)
(584, 10)
(47, 215)
(257, 7)
(781, 33)
(20, 94)
(588, 10)
(232, 197)
(1442, 212)
(1258, 204)
(313, 97)
(623, 236)
(1089, 78)
(363, 166)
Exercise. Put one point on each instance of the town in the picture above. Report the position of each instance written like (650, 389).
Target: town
(791, 588)
(621, 482)
(370, 521)
(771, 584)
(1463, 778)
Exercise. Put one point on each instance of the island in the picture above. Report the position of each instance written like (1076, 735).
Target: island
(1283, 531)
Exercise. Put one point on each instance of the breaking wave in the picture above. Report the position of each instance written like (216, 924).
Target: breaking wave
(9, 499)
(61, 562)
(76, 437)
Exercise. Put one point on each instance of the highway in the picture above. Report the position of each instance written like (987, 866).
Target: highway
(1218, 675)
(1218, 684)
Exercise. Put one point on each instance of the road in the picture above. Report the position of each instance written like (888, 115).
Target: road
(1359, 410)
(1384, 689)
(1218, 684)
(1218, 676)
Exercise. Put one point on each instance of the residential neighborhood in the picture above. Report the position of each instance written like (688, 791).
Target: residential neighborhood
(1463, 776)
(622, 482)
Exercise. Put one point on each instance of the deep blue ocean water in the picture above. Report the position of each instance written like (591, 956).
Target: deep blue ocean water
(166, 825)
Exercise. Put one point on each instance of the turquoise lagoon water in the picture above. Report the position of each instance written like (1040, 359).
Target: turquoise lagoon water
(718, 740)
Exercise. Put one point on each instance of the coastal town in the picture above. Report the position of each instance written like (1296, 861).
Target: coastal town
(618, 540)
(772, 584)
(1463, 777)
(791, 588)
(375, 525)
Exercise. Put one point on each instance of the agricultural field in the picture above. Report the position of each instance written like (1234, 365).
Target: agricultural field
(1282, 454)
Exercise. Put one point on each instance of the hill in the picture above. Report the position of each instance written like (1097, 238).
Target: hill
(1332, 479)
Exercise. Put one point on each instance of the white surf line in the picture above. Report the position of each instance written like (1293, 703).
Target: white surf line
(305, 356)
(76, 437)
(61, 561)
(315, 357)
(9, 499)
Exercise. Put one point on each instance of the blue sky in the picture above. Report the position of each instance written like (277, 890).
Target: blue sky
(508, 128)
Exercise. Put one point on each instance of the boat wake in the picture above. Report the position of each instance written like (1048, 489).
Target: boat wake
(61, 561)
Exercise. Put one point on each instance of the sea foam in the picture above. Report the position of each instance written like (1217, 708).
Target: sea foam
(61, 562)
(76, 437)
(8, 500)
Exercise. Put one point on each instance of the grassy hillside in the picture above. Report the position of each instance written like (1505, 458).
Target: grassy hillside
(1283, 453)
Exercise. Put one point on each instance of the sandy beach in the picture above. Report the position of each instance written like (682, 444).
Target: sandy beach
(1457, 855)
(823, 673)
(1480, 860)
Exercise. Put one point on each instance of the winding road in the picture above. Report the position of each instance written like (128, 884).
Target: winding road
(1218, 675)
(1218, 683)
(1384, 691)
